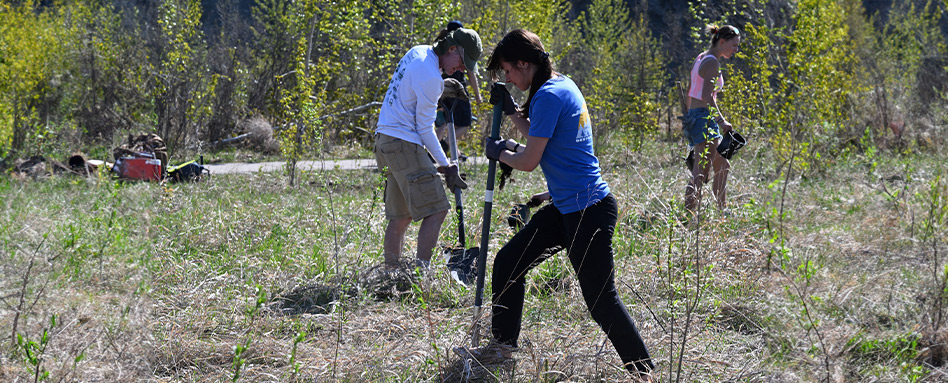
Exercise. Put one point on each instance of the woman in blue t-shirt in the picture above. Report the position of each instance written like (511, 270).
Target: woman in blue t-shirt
(582, 217)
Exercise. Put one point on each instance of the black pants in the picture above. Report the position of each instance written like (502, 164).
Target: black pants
(462, 111)
(587, 237)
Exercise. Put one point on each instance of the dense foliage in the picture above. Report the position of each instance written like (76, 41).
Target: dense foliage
(814, 78)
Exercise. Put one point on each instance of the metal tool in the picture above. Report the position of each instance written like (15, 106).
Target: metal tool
(488, 205)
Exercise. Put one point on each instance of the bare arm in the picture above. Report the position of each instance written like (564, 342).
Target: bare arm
(522, 124)
(710, 70)
(472, 77)
(527, 157)
(725, 126)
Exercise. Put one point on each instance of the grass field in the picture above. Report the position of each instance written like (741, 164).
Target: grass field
(838, 276)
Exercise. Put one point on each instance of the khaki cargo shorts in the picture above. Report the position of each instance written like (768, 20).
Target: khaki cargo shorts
(412, 185)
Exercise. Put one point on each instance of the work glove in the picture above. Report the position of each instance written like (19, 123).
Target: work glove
(538, 199)
(499, 94)
(454, 89)
(452, 177)
(492, 148)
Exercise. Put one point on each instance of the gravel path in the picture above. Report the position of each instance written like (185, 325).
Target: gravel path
(238, 167)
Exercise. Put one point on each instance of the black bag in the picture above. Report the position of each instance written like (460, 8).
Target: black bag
(189, 171)
(731, 143)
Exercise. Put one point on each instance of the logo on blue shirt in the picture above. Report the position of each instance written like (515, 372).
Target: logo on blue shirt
(584, 130)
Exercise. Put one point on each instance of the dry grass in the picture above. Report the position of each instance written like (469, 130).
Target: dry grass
(154, 283)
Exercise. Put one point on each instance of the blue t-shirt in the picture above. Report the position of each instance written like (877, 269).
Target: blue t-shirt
(558, 112)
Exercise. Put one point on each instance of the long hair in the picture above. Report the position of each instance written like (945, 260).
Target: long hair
(523, 45)
(717, 33)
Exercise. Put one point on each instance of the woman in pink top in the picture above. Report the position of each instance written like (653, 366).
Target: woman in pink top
(704, 124)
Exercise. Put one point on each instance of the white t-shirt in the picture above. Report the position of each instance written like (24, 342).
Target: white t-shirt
(411, 102)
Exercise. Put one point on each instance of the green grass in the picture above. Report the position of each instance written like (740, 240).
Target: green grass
(160, 282)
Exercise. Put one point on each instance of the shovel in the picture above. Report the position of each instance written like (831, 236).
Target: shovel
(488, 205)
(454, 89)
(458, 205)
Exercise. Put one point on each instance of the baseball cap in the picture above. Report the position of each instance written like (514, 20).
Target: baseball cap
(465, 38)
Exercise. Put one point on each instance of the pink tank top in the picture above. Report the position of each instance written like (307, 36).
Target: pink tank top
(697, 83)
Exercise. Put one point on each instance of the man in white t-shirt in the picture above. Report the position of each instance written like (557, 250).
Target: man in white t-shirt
(406, 129)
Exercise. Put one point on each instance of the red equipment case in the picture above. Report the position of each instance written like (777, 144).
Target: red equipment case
(145, 169)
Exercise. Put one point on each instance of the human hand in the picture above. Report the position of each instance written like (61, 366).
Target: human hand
(452, 177)
(454, 89)
(493, 148)
(537, 199)
(499, 94)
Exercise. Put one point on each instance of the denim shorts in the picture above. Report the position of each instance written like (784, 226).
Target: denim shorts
(698, 126)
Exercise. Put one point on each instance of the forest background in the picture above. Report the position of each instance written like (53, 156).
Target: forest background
(77, 75)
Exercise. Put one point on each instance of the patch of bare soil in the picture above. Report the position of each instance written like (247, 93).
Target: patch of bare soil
(381, 283)
(934, 348)
(491, 363)
(316, 298)
(389, 284)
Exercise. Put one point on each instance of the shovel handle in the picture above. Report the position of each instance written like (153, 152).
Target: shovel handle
(485, 229)
(458, 201)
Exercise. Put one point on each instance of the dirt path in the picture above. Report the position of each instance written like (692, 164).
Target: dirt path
(243, 168)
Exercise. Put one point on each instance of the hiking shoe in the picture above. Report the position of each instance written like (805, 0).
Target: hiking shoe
(461, 264)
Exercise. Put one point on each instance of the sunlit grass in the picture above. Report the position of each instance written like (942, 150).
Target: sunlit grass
(160, 281)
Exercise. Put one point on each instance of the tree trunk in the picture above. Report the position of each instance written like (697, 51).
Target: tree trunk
(19, 131)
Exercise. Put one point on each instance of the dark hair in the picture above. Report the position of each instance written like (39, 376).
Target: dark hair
(441, 35)
(726, 32)
(523, 45)
(452, 25)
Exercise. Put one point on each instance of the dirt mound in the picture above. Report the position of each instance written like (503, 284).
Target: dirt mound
(310, 299)
(389, 284)
(487, 364)
(378, 281)
(934, 348)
